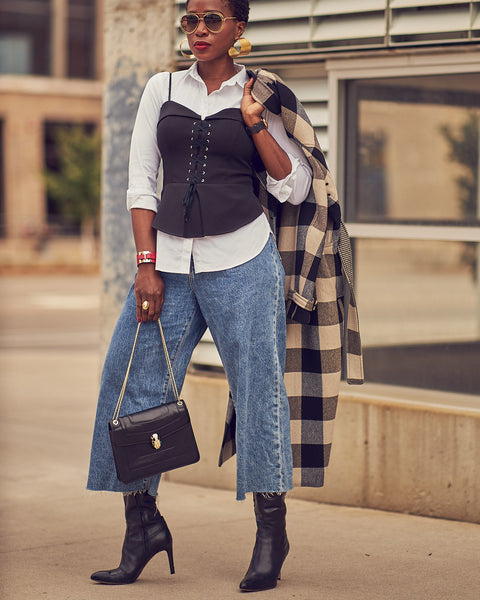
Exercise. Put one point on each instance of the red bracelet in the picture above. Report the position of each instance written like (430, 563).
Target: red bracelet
(145, 256)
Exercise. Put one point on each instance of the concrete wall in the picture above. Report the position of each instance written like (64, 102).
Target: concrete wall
(394, 449)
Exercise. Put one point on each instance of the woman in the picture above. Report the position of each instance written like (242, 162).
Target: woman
(207, 259)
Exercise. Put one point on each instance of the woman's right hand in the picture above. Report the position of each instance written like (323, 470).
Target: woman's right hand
(149, 286)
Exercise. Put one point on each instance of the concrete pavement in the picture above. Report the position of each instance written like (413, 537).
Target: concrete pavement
(54, 533)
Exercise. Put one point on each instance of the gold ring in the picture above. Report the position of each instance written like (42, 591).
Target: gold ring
(146, 305)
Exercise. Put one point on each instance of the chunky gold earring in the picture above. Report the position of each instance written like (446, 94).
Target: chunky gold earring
(241, 47)
(184, 52)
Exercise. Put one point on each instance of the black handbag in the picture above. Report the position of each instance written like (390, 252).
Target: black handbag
(155, 440)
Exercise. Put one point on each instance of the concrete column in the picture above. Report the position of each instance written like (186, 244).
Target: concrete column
(99, 20)
(58, 49)
(138, 42)
(23, 156)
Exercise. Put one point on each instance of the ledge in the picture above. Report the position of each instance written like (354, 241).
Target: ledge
(398, 449)
(412, 398)
(50, 86)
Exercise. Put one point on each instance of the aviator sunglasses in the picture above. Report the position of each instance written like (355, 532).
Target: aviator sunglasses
(214, 21)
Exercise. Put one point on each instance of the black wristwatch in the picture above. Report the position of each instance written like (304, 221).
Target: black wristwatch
(257, 127)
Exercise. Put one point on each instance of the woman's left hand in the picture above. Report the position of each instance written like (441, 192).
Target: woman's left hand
(251, 110)
(274, 158)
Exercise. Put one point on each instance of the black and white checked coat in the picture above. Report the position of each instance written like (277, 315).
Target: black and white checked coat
(322, 319)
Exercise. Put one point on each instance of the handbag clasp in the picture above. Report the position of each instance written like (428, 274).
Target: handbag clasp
(156, 443)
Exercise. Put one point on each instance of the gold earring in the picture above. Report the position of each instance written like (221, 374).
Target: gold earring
(241, 47)
(184, 52)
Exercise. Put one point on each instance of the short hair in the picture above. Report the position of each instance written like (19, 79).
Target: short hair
(239, 8)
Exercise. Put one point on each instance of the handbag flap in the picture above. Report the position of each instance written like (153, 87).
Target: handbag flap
(164, 420)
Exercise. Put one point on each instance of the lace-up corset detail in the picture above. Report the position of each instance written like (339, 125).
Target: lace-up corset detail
(197, 165)
(200, 140)
(207, 173)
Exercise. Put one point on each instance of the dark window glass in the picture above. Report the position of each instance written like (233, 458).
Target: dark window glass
(419, 313)
(60, 221)
(81, 39)
(25, 37)
(413, 150)
(412, 157)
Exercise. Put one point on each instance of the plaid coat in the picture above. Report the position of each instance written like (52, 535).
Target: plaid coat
(322, 319)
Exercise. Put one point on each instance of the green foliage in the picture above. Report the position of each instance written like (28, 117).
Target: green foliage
(75, 187)
(464, 150)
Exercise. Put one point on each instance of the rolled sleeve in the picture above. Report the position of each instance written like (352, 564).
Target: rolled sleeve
(146, 201)
(294, 188)
(145, 156)
(296, 185)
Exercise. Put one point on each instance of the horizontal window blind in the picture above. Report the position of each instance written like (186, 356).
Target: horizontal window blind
(313, 94)
(283, 26)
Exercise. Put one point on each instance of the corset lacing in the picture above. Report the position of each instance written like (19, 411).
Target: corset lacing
(198, 163)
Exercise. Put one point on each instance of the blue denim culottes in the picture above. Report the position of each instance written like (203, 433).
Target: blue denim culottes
(244, 309)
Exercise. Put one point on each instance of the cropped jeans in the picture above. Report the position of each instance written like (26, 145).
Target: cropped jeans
(244, 309)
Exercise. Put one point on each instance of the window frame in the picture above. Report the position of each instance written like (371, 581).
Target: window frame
(407, 65)
(341, 71)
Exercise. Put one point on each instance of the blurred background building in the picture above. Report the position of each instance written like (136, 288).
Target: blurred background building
(50, 79)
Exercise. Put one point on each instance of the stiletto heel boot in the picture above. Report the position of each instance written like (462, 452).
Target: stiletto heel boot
(147, 534)
(271, 544)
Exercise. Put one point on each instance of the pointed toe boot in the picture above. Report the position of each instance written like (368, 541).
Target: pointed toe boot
(271, 544)
(147, 534)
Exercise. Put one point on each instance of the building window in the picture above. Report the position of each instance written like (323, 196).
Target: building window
(25, 37)
(419, 303)
(412, 196)
(81, 39)
(415, 149)
(72, 150)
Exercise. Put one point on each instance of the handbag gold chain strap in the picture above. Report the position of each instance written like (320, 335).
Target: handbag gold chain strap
(170, 371)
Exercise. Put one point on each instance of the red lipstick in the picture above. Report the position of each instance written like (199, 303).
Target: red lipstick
(201, 46)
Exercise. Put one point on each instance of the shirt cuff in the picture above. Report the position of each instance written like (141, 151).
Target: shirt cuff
(139, 200)
(288, 189)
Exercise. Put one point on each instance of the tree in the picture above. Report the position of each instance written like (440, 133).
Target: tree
(75, 186)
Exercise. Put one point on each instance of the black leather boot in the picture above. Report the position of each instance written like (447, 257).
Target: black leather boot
(271, 545)
(146, 535)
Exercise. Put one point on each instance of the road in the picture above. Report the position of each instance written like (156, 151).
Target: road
(56, 312)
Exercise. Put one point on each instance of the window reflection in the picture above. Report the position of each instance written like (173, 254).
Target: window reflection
(412, 157)
(419, 305)
(25, 37)
(413, 149)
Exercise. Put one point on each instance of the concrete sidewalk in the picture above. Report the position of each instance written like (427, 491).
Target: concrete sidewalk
(54, 533)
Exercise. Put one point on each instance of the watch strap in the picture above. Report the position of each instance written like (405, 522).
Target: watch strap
(257, 127)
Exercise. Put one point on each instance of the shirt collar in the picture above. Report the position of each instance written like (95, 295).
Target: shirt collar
(240, 78)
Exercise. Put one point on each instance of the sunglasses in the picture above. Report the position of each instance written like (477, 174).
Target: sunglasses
(214, 21)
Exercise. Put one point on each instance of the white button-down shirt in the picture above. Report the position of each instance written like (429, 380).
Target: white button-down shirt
(212, 253)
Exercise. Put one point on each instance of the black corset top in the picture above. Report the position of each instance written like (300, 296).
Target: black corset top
(208, 172)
